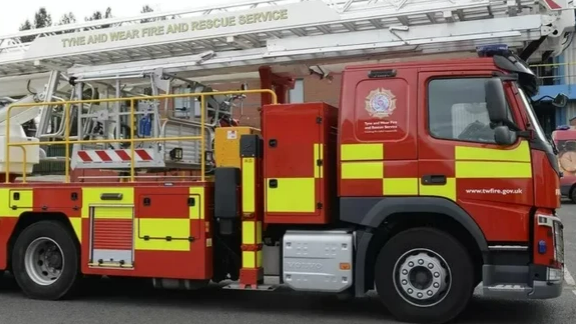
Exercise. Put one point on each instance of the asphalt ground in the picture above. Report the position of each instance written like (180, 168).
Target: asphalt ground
(111, 302)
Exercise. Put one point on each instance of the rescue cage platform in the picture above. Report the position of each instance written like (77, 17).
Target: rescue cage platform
(130, 168)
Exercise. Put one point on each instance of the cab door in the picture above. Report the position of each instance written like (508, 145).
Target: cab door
(459, 160)
(378, 151)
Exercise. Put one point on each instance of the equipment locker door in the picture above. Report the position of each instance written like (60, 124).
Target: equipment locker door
(460, 161)
(111, 217)
(165, 219)
(294, 149)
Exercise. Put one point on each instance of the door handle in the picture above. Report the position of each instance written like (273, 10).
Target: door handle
(434, 179)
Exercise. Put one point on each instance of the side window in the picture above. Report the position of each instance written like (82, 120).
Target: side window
(457, 110)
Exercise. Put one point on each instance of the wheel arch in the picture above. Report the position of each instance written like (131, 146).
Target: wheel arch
(381, 218)
(29, 218)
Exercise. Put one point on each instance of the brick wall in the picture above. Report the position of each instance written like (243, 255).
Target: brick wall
(250, 115)
(323, 90)
(315, 90)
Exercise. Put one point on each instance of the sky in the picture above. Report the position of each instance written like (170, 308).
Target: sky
(11, 19)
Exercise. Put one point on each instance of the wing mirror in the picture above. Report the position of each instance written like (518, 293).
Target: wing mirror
(504, 136)
(560, 101)
(495, 100)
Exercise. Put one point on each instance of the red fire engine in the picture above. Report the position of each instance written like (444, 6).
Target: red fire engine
(564, 140)
(431, 178)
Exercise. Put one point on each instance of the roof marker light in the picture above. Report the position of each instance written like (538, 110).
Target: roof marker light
(491, 50)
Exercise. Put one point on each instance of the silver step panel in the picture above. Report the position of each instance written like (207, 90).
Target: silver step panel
(318, 260)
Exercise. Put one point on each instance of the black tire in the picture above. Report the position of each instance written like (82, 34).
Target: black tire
(573, 194)
(64, 286)
(461, 275)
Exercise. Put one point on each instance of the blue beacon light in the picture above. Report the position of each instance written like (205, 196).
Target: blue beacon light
(491, 50)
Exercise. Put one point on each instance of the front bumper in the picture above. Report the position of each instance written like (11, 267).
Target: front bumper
(512, 282)
(546, 290)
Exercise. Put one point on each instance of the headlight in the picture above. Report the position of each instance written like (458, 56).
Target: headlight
(556, 230)
(555, 274)
(558, 241)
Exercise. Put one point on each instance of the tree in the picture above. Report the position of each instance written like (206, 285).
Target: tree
(27, 25)
(67, 18)
(147, 9)
(42, 18)
(97, 15)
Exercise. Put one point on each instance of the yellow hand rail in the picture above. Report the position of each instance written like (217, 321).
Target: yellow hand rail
(67, 142)
(552, 64)
(545, 75)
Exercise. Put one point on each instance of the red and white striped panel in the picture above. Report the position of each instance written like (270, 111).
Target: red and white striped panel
(113, 156)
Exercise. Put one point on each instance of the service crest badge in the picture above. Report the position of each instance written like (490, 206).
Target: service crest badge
(380, 103)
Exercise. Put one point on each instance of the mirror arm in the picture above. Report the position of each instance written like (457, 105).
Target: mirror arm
(514, 128)
(527, 134)
(540, 99)
(524, 134)
(511, 125)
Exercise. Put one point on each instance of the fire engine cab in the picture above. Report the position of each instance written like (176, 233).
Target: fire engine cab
(431, 178)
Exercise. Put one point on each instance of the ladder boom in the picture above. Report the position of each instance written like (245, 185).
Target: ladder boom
(267, 28)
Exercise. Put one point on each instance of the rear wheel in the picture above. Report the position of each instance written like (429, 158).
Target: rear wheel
(424, 275)
(46, 261)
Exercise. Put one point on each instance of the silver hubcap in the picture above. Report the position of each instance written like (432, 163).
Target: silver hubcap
(44, 261)
(422, 277)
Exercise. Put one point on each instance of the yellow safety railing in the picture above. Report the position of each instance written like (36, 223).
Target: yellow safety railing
(67, 142)
(545, 76)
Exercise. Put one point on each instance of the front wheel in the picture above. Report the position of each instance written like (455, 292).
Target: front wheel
(46, 261)
(424, 275)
